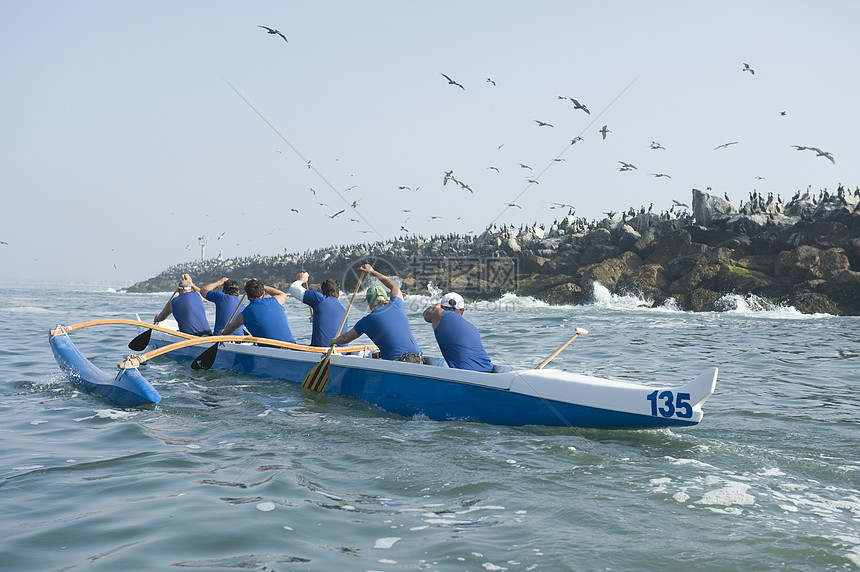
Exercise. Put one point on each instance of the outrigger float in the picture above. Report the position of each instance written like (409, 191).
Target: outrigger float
(507, 396)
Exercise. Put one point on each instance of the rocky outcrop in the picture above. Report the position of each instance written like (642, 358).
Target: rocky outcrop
(805, 253)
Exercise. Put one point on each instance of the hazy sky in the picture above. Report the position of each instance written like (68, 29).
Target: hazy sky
(122, 141)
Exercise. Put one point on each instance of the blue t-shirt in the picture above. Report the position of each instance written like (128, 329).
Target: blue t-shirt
(460, 343)
(265, 318)
(189, 313)
(328, 314)
(225, 304)
(388, 327)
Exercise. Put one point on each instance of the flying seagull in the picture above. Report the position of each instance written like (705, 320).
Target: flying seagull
(627, 166)
(576, 140)
(524, 166)
(577, 105)
(680, 204)
(514, 205)
(294, 210)
(449, 176)
(4, 242)
(749, 69)
(655, 145)
(274, 31)
(604, 130)
(338, 213)
(496, 169)
(658, 175)
(542, 123)
(220, 236)
(725, 145)
(820, 153)
(451, 81)
(491, 81)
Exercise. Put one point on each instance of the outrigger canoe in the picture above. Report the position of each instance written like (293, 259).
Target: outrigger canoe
(507, 396)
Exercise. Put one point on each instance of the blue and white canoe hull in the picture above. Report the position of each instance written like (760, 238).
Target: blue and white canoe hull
(127, 389)
(519, 397)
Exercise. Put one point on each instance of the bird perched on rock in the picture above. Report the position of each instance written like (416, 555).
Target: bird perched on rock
(604, 130)
(274, 31)
(451, 81)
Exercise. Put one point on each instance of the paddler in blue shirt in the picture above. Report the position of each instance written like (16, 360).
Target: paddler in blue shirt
(327, 310)
(386, 324)
(226, 301)
(263, 317)
(187, 308)
(458, 339)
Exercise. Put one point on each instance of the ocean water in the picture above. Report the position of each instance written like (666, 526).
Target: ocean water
(234, 472)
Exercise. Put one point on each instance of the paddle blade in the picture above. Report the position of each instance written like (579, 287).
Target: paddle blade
(206, 359)
(317, 378)
(139, 343)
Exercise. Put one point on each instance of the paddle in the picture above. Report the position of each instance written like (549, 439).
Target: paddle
(207, 358)
(317, 378)
(139, 343)
(578, 331)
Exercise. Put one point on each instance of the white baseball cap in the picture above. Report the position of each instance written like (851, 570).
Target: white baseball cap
(453, 301)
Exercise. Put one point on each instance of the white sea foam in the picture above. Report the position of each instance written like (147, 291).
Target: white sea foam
(751, 304)
(730, 494)
(385, 543)
(109, 414)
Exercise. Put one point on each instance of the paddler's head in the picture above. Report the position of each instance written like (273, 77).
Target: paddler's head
(376, 295)
(453, 301)
(254, 289)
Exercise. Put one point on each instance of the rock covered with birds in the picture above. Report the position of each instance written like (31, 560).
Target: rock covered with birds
(803, 252)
